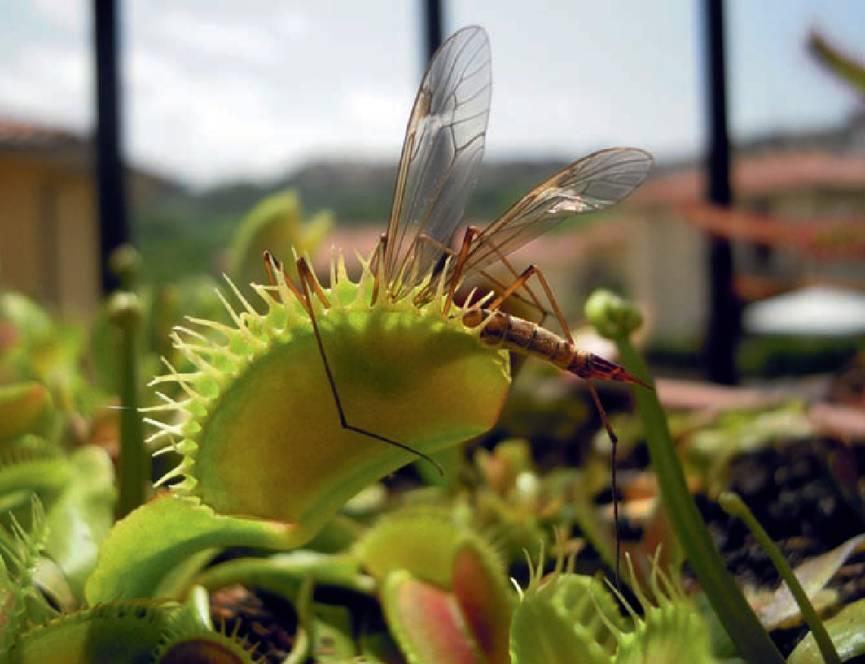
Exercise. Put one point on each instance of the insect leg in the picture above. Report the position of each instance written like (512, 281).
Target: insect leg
(376, 266)
(273, 267)
(519, 282)
(454, 278)
(309, 284)
(270, 267)
(424, 238)
(535, 302)
(601, 412)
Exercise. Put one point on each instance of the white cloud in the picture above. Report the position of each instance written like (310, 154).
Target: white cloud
(219, 88)
(71, 16)
(49, 83)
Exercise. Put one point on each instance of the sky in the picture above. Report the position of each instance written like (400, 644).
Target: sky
(223, 89)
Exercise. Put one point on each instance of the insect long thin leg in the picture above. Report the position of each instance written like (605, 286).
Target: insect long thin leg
(309, 284)
(601, 413)
(269, 267)
(423, 238)
(307, 281)
(457, 273)
(510, 267)
(614, 485)
(272, 266)
(520, 282)
(376, 266)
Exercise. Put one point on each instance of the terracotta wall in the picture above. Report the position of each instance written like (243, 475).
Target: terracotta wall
(48, 235)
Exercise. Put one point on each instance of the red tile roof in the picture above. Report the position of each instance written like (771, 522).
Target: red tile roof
(763, 174)
(18, 135)
(828, 238)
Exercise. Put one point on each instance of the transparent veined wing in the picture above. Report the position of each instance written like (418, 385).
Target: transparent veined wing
(443, 147)
(590, 184)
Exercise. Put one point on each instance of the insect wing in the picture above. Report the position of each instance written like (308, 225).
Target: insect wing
(438, 168)
(590, 184)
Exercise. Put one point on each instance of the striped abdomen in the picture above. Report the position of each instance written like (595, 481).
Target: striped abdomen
(522, 336)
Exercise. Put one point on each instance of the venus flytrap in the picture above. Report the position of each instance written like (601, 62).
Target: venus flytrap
(564, 617)
(24, 408)
(669, 628)
(132, 632)
(262, 452)
(443, 587)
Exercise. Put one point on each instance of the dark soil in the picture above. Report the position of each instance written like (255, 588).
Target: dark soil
(805, 508)
(266, 621)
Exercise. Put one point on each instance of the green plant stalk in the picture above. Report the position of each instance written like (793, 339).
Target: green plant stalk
(134, 461)
(737, 617)
(733, 505)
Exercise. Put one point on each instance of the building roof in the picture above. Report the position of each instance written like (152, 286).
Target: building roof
(760, 174)
(75, 149)
(19, 135)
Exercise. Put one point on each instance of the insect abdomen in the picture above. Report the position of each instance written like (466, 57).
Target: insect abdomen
(522, 336)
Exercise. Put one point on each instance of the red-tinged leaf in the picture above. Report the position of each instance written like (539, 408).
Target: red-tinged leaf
(427, 622)
(482, 596)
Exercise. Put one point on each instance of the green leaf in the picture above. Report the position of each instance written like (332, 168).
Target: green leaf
(672, 633)
(284, 573)
(420, 540)
(125, 632)
(333, 628)
(20, 554)
(842, 65)
(778, 608)
(846, 630)
(24, 408)
(275, 224)
(79, 519)
(540, 634)
(36, 467)
(671, 628)
(143, 547)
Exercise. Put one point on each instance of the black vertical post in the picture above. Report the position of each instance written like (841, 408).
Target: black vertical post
(432, 28)
(724, 321)
(113, 223)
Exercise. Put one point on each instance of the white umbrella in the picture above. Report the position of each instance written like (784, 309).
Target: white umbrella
(817, 310)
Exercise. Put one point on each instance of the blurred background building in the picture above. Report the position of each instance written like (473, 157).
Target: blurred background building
(229, 103)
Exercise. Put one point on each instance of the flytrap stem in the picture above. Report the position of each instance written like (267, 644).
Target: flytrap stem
(134, 470)
(734, 612)
(616, 318)
(733, 505)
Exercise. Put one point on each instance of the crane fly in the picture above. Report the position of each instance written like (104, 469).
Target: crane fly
(438, 168)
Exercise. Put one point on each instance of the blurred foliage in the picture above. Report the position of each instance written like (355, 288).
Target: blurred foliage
(773, 356)
(276, 224)
(764, 357)
(849, 70)
(188, 237)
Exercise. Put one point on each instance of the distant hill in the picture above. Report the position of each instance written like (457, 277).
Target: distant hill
(183, 229)
(356, 191)
(361, 191)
